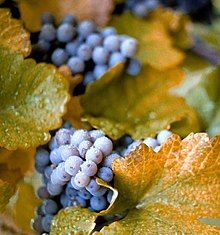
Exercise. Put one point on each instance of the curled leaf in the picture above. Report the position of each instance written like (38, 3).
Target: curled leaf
(139, 106)
(32, 101)
(73, 220)
(155, 43)
(13, 35)
(86, 9)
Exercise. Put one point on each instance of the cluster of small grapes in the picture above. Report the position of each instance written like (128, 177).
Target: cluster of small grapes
(69, 165)
(141, 8)
(127, 144)
(85, 49)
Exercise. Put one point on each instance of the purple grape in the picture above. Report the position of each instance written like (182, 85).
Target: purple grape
(72, 165)
(46, 222)
(48, 32)
(83, 193)
(49, 206)
(81, 180)
(98, 203)
(94, 154)
(65, 32)
(68, 150)
(89, 168)
(83, 147)
(105, 173)
(104, 144)
(100, 55)
(42, 157)
(92, 186)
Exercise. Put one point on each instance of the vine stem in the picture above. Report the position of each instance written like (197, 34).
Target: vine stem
(204, 50)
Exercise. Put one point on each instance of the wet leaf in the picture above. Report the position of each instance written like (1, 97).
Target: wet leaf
(200, 88)
(155, 43)
(13, 35)
(6, 192)
(140, 106)
(32, 101)
(86, 9)
(170, 187)
(24, 207)
(74, 114)
(73, 220)
(113, 229)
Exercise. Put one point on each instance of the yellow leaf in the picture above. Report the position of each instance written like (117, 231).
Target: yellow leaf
(172, 189)
(74, 114)
(155, 43)
(24, 207)
(139, 106)
(32, 101)
(13, 35)
(177, 25)
(74, 221)
(19, 159)
(97, 10)
(6, 192)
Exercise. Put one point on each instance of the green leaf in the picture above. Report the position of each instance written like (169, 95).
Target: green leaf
(169, 188)
(32, 101)
(155, 44)
(6, 192)
(200, 88)
(73, 220)
(13, 35)
(140, 106)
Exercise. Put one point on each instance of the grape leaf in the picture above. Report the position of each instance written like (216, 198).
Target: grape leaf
(32, 101)
(155, 43)
(6, 191)
(26, 203)
(200, 88)
(86, 9)
(74, 114)
(172, 188)
(20, 159)
(13, 35)
(73, 220)
(140, 106)
(177, 25)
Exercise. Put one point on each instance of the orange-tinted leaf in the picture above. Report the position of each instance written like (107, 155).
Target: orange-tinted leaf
(13, 35)
(172, 188)
(97, 10)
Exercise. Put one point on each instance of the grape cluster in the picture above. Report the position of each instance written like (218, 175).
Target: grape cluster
(127, 144)
(69, 166)
(84, 48)
(141, 8)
